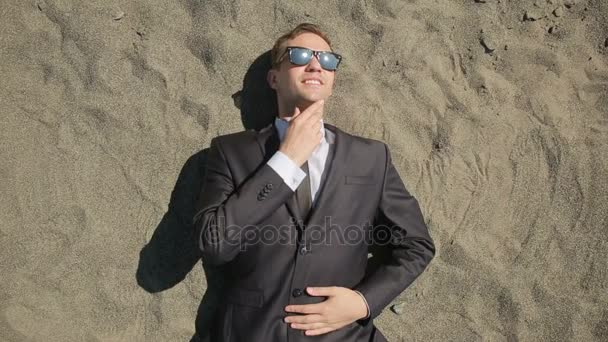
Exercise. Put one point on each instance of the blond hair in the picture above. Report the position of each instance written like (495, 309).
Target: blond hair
(281, 44)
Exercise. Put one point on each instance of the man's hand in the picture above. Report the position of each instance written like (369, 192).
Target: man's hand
(342, 307)
(304, 133)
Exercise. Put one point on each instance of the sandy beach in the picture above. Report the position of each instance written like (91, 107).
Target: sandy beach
(495, 111)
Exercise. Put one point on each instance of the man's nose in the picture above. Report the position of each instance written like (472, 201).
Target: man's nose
(314, 64)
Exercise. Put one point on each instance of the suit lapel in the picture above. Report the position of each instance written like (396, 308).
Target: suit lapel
(334, 169)
(269, 141)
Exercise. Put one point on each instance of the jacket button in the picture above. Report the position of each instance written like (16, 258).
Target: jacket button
(303, 250)
(296, 292)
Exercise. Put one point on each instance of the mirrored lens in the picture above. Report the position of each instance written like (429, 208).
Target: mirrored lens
(328, 60)
(300, 56)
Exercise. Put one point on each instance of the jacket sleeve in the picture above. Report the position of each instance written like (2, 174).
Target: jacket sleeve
(408, 246)
(224, 213)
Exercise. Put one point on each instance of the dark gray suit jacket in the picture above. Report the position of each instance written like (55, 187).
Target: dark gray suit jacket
(247, 219)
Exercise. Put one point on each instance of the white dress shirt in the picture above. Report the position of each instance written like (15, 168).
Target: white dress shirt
(289, 170)
(293, 175)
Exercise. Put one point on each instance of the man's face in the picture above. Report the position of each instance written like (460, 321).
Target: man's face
(289, 79)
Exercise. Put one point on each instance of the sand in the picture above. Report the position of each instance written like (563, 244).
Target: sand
(496, 114)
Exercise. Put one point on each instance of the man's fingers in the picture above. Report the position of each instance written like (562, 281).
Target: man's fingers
(305, 308)
(305, 319)
(313, 109)
(319, 331)
(318, 110)
(317, 125)
(322, 291)
(308, 326)
(315, 114)
(296, 112)
(317, 326)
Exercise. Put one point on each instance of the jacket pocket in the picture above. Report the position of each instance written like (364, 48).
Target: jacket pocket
(359, 180)
(247, 297)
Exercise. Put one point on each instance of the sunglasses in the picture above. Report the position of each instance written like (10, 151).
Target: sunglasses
(302, 56)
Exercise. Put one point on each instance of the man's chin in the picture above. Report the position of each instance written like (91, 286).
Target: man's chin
(310, 100)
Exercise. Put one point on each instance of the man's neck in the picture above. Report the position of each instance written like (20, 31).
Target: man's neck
(286, 112)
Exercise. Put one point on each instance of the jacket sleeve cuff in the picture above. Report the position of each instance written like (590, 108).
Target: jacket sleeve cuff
(289, 171)
(367, 305)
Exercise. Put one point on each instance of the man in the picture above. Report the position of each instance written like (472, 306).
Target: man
(318, 186)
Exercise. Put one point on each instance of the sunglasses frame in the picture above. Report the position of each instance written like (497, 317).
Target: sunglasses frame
(315, 53)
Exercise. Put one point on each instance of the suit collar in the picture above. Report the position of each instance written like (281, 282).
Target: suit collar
(268, 140)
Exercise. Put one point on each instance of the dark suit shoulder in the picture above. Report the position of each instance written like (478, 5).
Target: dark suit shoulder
(246, 134)
(236, 138)
(363, 142)
(364, 151)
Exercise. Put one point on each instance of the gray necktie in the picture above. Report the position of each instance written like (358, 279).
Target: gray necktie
(303, 196)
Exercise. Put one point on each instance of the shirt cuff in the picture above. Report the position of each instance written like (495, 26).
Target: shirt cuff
(367, 305)
(291, 173)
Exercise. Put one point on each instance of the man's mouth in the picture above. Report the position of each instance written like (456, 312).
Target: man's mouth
(312, 82)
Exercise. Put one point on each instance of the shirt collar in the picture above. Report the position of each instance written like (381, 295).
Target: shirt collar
(282, 124)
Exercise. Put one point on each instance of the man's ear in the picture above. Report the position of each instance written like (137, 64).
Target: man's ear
(272, 79)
